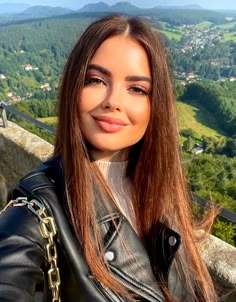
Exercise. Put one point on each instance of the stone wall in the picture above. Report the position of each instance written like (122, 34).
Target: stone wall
(3, 190)
(21, 151)
(220, 258)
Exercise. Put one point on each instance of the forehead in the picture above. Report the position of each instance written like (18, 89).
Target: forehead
(123, 52)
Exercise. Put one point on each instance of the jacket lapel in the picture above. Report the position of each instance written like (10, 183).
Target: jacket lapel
(128, 259)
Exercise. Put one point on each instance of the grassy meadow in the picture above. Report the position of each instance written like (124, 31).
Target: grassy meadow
(198, 119)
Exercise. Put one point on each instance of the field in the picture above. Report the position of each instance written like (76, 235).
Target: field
(227, 25)
(198, 119)
(204, 25)
(230, 36)
(172, 34)
(51, 121)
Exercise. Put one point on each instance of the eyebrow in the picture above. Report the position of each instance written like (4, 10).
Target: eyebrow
(100, 69)
(138, 78)
(108, 73)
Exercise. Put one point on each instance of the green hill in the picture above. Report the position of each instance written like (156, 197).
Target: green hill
(51, 121)
(197, 118)
(203, 25)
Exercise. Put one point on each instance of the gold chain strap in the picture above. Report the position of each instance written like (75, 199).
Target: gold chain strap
(48, 231)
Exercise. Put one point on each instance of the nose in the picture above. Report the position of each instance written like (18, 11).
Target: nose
(113, 100)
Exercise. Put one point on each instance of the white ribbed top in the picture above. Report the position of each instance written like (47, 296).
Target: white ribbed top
(115, 176)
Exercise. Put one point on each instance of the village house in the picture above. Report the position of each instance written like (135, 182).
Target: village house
(15, 99)
(9, 94)
(186, 48)
(191, 75)
(198, 149)
(46, 87)
(28, 67)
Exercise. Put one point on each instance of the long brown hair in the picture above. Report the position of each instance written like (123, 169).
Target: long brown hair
(163, 195)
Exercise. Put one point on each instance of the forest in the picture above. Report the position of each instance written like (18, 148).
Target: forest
(218, 98)
(211, 62)
(179, 17)
(43, 47)
(33, 52)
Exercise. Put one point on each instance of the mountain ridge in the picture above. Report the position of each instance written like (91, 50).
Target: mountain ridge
(190, 6)
(103, 7)
(44, 11)
(127, 6)
(91, 7)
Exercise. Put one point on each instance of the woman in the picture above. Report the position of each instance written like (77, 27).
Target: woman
(116, 172)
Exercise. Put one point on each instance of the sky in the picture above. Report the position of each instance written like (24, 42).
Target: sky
(76, 4)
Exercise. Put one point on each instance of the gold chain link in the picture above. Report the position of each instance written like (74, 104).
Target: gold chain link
(48, 231)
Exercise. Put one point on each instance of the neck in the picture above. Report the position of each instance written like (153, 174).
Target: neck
(115, 176)
(116, 156)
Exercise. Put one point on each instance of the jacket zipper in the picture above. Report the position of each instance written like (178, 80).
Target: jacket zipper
(137, 288)
(106, 292)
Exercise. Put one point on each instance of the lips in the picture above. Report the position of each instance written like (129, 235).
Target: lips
(110, 120)
(109, 124)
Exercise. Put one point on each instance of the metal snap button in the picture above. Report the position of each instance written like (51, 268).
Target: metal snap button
(172, 241)
(110, 255)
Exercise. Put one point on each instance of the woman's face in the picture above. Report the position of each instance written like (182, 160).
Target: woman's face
(114, 107)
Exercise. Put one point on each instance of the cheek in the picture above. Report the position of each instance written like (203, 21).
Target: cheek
(91, 98)
(140, 113)
(85, 102)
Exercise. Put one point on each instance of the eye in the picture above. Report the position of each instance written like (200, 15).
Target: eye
(94, 81)
(138, 90)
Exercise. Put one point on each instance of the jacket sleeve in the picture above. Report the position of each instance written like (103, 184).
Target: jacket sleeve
(22, 255)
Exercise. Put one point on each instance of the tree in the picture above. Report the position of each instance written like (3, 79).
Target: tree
(225, 231)
(230, 147)
(179, 90)
(188, 144)
(188, 133)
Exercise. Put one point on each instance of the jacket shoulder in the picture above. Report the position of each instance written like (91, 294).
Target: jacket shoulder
(22, 254)
(44, 176)
(20, 220)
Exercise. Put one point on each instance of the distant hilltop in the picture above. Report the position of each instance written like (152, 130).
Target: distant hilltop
(40, 11)
(48, 10)
(103, 7)
(126, 7)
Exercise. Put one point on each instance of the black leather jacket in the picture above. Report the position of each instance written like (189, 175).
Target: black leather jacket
(23, 265)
